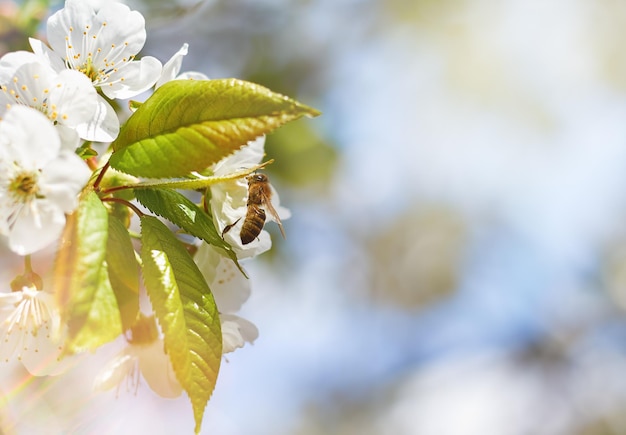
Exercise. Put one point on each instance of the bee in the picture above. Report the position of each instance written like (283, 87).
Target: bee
(259, 200)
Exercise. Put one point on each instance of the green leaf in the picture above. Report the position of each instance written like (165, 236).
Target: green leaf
(134, 105)
(187, 125)
(87, 301)
(123, 272)
(85, 151)
(179, 210)
(186, 311)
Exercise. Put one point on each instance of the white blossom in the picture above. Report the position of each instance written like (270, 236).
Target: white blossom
(229, 199)
(66, 97)
(102, 44)
(40, 178)
(29, 331)
(172, 67)
(144, 355)
(230, 289)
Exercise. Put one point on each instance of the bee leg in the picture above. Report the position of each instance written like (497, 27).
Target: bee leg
(227, 228)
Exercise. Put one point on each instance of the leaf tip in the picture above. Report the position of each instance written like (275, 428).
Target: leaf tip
(313, 113)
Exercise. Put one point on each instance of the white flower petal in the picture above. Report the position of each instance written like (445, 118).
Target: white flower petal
(69, 138)
(47, 55)
(8, 300)
(35, 228)
(150, 360)
(192, 75)
(10, 341)
(115, 371)
(43, 357)
(246, 157)
(75, 98)
(98, 4)
(172, 67)
(62, 179)
(13, 60)
(74, 15)
(28, 84)
(138, 76)
(157, 369)
(104, 126)
(229, 286)
(124, 26)
(32, 136)
(115, 23)
(236, 331)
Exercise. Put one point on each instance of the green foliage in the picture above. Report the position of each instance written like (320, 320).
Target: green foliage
(175, 136)
(88, 303)
(105, 266)
(187, 125)
(185, 310)
(179, 210)
(123, 272)
(85, 151)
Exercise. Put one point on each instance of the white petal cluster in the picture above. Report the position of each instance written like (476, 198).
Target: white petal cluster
(101, 44)
(66, 97)
(40, 178)
(29, 331)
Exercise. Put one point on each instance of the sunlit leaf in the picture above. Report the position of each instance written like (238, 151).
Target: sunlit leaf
(187, 125)
(186, 311)
(123, 271)
(82, 287)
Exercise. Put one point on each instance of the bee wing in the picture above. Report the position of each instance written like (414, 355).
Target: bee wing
(272, 211)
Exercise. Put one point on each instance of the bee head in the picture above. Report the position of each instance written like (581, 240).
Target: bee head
(257, 178)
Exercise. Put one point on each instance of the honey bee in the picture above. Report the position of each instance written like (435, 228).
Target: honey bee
(259, 200)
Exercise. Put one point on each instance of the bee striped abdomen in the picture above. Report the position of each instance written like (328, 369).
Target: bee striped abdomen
(253, 224)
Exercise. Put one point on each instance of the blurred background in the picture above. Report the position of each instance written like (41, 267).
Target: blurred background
(456, 258)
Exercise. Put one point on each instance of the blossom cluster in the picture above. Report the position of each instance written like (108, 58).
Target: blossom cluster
(56, 101)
